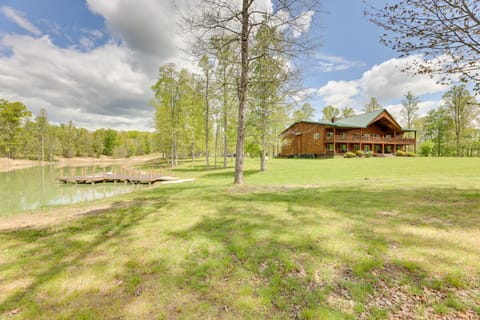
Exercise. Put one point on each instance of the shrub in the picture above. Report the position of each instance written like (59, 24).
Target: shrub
(410, 154)
(400, 153)
(368, 154)
(426, 148)
(359, 153)
(349, 155)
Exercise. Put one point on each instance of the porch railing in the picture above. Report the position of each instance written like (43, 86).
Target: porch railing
(369, 139)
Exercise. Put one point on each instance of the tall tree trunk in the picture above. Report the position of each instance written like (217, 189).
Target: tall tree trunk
(263, 157)
(193, 152)
(216, 142)
(242, 96)
(43, 147)
(207, 115)
(225, 119)
(225, 141)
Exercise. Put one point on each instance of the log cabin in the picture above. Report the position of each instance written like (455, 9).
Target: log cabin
(375, 131)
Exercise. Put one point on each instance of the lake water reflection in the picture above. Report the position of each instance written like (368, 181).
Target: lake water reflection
(34, 188)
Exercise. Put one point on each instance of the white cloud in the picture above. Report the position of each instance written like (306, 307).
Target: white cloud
(385, 81)
(94, 33)
(145, 26)
(19, 19)
(303, 23)
(339, 93)
(96, 86)
(328, 63)
(93, 87)
(104, 77)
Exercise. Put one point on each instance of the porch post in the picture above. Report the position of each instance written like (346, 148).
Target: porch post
(415, 142)
(334, 144)
(361, 134)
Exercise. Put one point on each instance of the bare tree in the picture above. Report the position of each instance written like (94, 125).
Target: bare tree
(446, 33)
(241, 22)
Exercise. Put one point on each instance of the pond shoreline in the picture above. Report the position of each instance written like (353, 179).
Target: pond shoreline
(7, 164)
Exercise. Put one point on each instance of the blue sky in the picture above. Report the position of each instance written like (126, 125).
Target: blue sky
(94, 61)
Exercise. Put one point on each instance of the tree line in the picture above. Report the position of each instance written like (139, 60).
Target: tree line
(26, 137)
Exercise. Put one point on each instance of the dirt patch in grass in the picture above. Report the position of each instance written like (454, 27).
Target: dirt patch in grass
(416, 298)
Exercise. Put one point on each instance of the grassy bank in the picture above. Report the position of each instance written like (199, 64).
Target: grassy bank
(309, 239)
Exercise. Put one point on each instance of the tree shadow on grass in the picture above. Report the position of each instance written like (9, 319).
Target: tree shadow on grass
(302, 253)
(53, 250)
(284, 253)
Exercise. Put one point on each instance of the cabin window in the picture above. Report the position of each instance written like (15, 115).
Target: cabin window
(330, 134)
(316, 136)
(330, 147)
(356, 147)
(356, 136)
(366, 147)
(366, 135)
(377, 148)
(343, 147)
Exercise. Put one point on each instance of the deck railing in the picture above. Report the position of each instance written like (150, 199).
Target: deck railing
(369, 139)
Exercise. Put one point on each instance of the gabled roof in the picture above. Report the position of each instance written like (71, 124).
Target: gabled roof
(360, 121)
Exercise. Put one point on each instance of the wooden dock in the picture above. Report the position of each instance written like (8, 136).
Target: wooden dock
(125, 176)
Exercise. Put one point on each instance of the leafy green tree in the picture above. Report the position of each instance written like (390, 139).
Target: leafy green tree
(224, 49)
(347, 112)
(177, 111)
(110, 141)
(463, 110)
(12, 114)
(42, 124)
(410, 109)
(372, 105)
(304, 113)
(425, 148)
(240, 21)
(330, 113)
(267, 87)
(206, 67)
(437, 127)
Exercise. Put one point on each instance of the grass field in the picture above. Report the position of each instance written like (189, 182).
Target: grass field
(308, 239)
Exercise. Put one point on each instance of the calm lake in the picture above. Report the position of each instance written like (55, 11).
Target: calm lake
(35, 188)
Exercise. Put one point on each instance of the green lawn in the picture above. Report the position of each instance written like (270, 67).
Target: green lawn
(308, 239)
